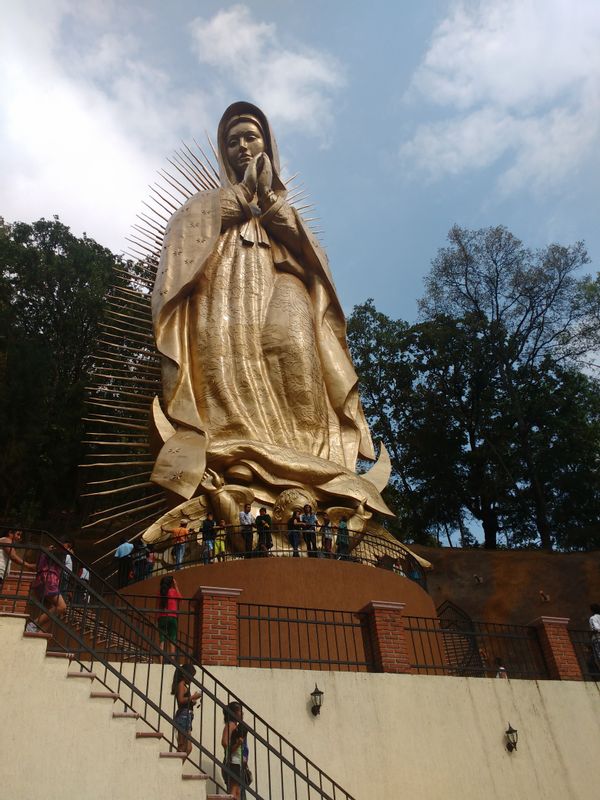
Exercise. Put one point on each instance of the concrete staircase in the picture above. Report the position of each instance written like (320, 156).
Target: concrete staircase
(64, 735)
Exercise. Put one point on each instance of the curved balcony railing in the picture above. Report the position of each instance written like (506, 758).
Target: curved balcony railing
(361, 548)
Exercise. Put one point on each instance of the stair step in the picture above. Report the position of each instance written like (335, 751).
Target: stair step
(57, 654)
(196, 776)
(148, 735)
(174, 754)
(37, 635)
(89, 675)
(13, 614)
(219, 797)
(126, 715)
(105, 695)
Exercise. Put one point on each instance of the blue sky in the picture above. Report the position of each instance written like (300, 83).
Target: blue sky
(403, 118)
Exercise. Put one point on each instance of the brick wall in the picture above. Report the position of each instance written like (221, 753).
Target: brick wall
(388, 637)
(557, 648)
(217, 631)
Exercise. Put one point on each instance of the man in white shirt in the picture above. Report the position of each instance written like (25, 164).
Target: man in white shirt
(595, 628)
(246, 524)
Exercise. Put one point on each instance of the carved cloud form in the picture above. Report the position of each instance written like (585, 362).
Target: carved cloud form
(510, 80)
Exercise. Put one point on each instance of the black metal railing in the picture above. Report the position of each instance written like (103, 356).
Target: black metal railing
(362, 548)
(118, 645)
(582, 644)
(474, 649)
(303, 638)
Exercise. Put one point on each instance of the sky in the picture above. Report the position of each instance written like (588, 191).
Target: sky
(403, 118)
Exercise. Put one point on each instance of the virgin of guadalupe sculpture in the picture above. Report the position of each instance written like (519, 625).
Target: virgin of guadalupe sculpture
(258, 385)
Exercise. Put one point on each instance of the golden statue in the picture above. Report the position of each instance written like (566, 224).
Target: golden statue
(259, 392)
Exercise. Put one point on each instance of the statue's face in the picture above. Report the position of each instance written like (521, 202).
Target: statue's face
(244, 141)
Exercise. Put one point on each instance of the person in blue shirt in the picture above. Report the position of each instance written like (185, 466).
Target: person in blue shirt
(309, 527)
(123, 556)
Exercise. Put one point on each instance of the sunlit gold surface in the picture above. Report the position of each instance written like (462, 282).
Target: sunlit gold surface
(257, 377)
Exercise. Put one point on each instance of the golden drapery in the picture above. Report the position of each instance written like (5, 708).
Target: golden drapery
(256, 368)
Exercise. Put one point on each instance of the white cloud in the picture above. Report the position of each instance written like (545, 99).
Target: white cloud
(88, 113)
(511, 79)
(294, 86)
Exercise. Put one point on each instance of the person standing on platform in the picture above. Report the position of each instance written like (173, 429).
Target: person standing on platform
(294, 526)
(179, 537)
(220, 547)
(247, 522)
(309, 527)
(343, 540)
(264, 525)
(123, 557)
(208, 538)
(327, 536)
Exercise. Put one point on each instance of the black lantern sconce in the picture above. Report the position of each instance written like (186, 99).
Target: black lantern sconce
(317, 701)
(512, 737)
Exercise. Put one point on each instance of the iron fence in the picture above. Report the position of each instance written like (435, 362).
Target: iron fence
(582, 644)
(474, 649)
(303, 638)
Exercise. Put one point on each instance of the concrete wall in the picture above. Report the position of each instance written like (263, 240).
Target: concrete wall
(436, 738)
(301, 582)
(58, 744)
(378, 735)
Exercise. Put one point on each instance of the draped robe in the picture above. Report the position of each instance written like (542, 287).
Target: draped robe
(256, 368)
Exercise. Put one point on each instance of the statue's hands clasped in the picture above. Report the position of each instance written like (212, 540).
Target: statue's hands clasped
(265, 178)
(250, 178)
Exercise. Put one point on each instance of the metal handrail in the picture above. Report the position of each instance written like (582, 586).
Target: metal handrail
(363, 548)
(305, 776)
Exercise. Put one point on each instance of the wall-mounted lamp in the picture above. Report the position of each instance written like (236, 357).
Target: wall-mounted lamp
(512, 737)
(317, 701)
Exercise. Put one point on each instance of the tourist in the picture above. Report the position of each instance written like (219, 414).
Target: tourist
(263, 528)
(150, 561)
(309, 529)
(327, 536)
(343, 540)
(65, 580)
(247, 522)
(595, 628)
(233, 740)
(179, 537)
(123, 557)
(8, 554)
(140, 559)
(184, 716)
(220, 547)
(82, 595)
(168, 605)
(208, 538)
(46, 588)
(294, 525)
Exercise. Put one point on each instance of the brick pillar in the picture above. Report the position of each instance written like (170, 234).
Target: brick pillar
(388, 637)
(217, 636)
(558, 649)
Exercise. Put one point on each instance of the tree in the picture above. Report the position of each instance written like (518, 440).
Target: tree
(52, 286)
(530, 306)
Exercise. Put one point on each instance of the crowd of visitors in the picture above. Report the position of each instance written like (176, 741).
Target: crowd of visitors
(255, 536)
(136, 561)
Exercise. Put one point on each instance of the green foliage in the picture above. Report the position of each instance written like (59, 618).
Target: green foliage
(52, 285)
(482, 404)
